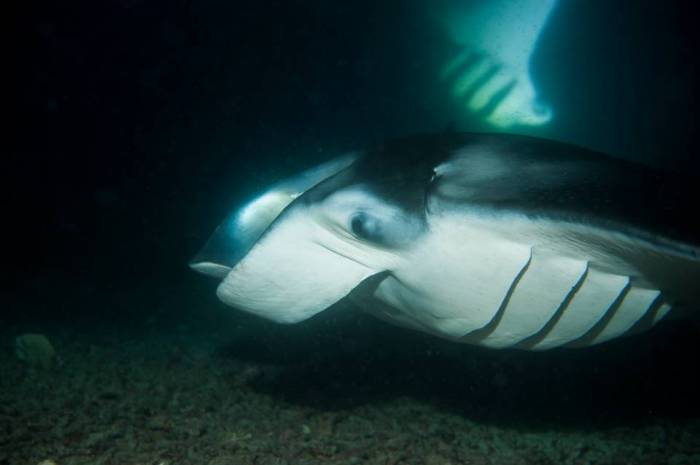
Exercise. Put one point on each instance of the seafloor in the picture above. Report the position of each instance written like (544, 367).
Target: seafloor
(342, 389)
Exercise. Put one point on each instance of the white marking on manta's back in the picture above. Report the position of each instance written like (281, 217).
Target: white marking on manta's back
(498, 37)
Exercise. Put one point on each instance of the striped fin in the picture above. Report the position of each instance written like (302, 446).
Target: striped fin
(458, 64)
(560, 301)
(476, 71)
(633, 307)
(540, 293)
(508, 287)
(598, 293)
(501, 94)
(497, 85)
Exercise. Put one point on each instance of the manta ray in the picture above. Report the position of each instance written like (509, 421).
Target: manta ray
(491, 239)
(490, 74)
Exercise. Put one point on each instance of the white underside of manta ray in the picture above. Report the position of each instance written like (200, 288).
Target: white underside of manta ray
(490, 75)
(496, 240)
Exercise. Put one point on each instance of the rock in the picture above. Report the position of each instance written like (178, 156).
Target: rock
(35, 350)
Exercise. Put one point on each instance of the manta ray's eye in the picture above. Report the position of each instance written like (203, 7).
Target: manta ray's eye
(366, 227)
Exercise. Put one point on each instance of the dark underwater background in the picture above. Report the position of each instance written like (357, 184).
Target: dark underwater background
(133, 127)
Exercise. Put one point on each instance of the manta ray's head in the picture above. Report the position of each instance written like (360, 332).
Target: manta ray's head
(287, 257)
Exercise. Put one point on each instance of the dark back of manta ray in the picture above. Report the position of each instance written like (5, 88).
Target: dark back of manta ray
(578, 185)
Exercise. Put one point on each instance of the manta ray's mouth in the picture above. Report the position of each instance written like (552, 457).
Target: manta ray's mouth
(291, 274)
(242, 228)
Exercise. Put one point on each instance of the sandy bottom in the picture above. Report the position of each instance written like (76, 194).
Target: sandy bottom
(172, 398)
